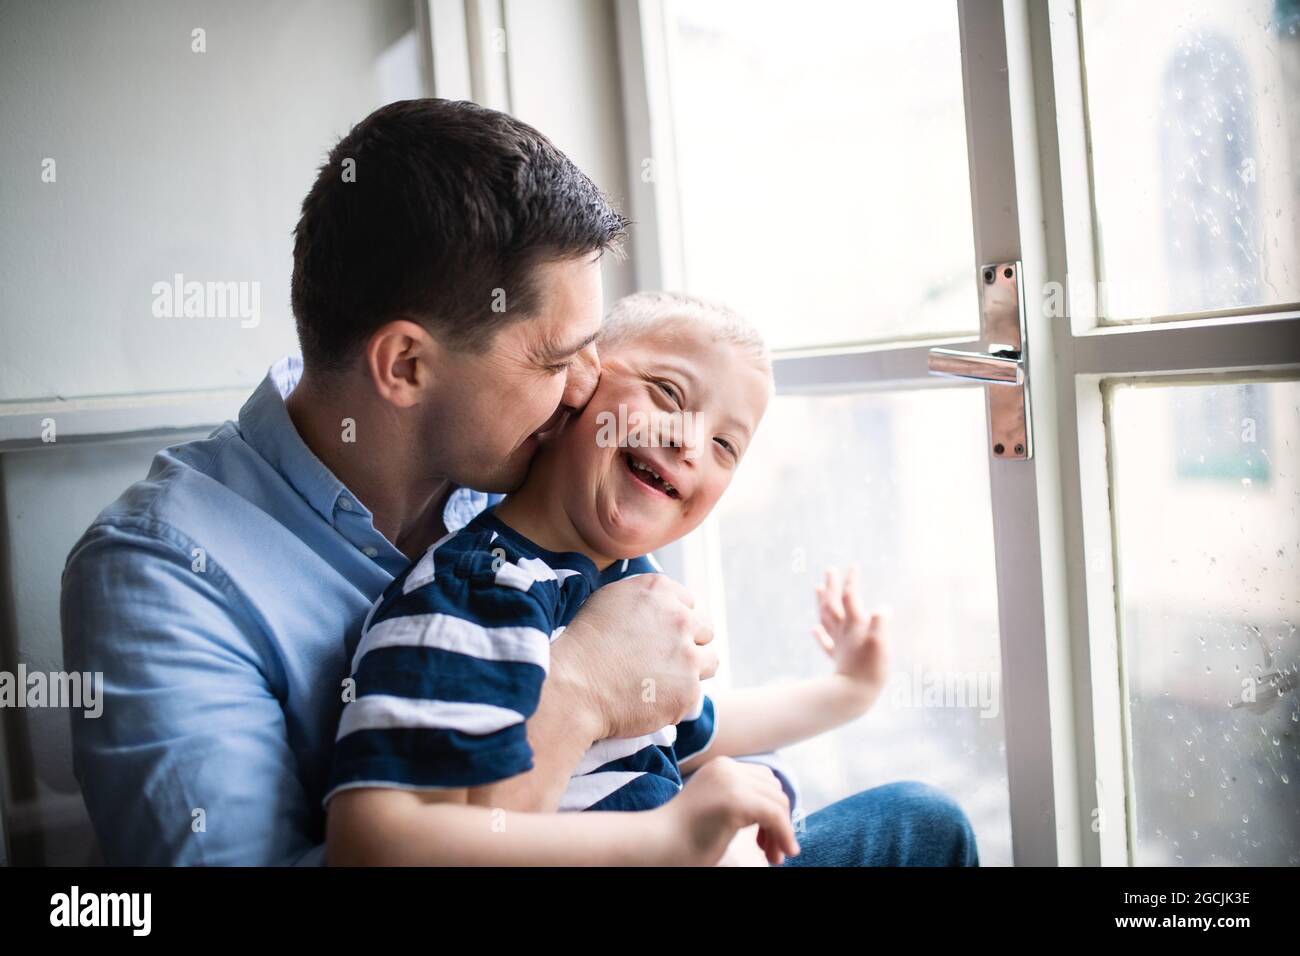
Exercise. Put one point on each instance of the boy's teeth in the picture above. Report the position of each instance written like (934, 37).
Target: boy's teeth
(641, 466)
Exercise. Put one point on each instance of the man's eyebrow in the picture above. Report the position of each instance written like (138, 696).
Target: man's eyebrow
(550, 352)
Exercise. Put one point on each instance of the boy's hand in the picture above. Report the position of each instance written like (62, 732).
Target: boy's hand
(854, 640)
(745, 849)
(721, 798)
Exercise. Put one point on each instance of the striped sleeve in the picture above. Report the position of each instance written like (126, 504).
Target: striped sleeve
(445, 677)
(695, 733)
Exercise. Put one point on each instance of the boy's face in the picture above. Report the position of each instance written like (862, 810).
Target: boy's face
(673, 401)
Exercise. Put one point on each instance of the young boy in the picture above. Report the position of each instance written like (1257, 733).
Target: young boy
(452, 657)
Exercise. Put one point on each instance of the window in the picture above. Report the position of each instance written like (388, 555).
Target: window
(841, 479)
(828, 168)
(1194, 117)
(816, 153)
(1209, 574)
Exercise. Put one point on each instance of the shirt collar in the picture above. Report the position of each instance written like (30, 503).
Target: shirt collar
(266, 426)
(571, 560)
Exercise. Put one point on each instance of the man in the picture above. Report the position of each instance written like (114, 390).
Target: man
(447, 293)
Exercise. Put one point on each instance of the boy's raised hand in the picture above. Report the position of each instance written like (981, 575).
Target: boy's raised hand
(853, 639)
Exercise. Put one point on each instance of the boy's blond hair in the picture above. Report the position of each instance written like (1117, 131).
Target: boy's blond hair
(640, 313)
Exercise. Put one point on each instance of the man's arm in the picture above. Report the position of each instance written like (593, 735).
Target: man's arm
(189, 761)
(568, 720)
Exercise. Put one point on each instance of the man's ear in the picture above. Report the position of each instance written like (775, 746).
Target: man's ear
(402, 357)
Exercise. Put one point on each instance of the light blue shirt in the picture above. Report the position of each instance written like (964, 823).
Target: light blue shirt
(222, 598)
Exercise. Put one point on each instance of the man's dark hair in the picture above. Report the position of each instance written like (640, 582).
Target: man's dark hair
(448, 203)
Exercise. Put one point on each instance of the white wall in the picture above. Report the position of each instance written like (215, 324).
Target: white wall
(564, 80)
(167, 161)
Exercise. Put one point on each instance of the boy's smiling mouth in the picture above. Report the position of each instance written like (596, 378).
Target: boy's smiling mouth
(645, 473)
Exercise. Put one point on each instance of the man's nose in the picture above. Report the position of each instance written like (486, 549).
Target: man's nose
(584, 373)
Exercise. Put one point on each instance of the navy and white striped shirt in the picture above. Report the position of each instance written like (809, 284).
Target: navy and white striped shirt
(451, 663)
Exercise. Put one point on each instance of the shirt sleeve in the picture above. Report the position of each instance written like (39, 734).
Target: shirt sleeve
(784, 775)
(188, 761)
(446, 674)
(695, 733)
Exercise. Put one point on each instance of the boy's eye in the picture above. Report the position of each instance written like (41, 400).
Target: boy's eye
(731, 449)
(670, 391)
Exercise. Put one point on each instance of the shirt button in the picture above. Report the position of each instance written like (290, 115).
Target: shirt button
(370, 552)
(345, 504)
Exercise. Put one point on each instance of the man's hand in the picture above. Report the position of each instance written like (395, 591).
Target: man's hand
(637, 651)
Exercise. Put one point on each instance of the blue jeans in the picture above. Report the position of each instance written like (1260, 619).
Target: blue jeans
(900, 824)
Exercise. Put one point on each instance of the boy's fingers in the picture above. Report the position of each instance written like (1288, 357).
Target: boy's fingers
(774, 856)
(824, 598)
(834, 595)
(832, 606)
(852, 602)
(824, 639)
(770, 841)
(828, 619)
(772, 809)
(780, 830)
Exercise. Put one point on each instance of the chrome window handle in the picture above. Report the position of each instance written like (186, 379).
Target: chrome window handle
(978, 366)
(1002, 320)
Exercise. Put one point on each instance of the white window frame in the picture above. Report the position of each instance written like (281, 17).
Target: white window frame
(1064, 701)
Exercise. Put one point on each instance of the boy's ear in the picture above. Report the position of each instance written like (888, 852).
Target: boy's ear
(402, 359)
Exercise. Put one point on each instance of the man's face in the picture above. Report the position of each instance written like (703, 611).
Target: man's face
(491, 407)
(690, 405)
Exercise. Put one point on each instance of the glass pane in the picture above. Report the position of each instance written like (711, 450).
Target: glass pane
(822, 167)
(899, 483)
(1194, 113)
(1207, 483)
